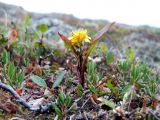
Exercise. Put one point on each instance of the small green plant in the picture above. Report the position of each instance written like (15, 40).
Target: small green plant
(130, 54)
(104, 81)
(135, 78)
(109, 57)
(40, 45)
(5, 57)
(123, 67)
(13, 75)
(92, 76)
(94, 79)
(63, 105)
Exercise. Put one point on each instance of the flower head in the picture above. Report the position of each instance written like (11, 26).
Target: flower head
(78, 37)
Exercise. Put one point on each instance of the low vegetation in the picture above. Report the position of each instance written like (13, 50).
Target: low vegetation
(82, 80)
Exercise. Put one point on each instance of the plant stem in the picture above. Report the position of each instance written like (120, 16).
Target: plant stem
(80, 69)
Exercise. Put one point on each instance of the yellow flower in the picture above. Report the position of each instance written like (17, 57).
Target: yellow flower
(78, 37)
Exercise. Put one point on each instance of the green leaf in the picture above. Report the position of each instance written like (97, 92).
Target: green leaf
(39, 81)
(104, 48)
(58, 79)
(20, 77)
(6, 57)
(61, 97)
(110, 57)
(92, 89)
(130, 54)
(68, 100)
(110, 85)
(126, 89)
(43, 28)
(108, 103)
(57, 110)
(95, 78)
(11, 71)
(39, 44)
(14, 44)
(91, 68)
(128, 92)
(80, 90)
(135, 72)
(124, 66)
(27, 20)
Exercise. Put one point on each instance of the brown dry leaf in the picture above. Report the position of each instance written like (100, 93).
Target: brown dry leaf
(29, 68)
(101, 87)
(94, 99)
(120, 111)
(38, 70)
(55, 66)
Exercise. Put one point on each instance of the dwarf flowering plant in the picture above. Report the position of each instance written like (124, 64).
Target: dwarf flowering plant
(76, 43)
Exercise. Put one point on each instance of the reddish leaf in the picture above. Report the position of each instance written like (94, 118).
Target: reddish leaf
(19, 91)
(31, 85)
(155, 103)
(100, 33)
(13, 35)
(68, 43)
(29, 68)
(14, 32)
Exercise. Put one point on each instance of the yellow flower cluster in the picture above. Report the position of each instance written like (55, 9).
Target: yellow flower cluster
(78, 37)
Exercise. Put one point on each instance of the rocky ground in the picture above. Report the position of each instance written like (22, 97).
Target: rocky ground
(145, 40)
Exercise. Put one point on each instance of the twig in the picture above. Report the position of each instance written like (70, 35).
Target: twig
(85, 103)
(41, 109)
